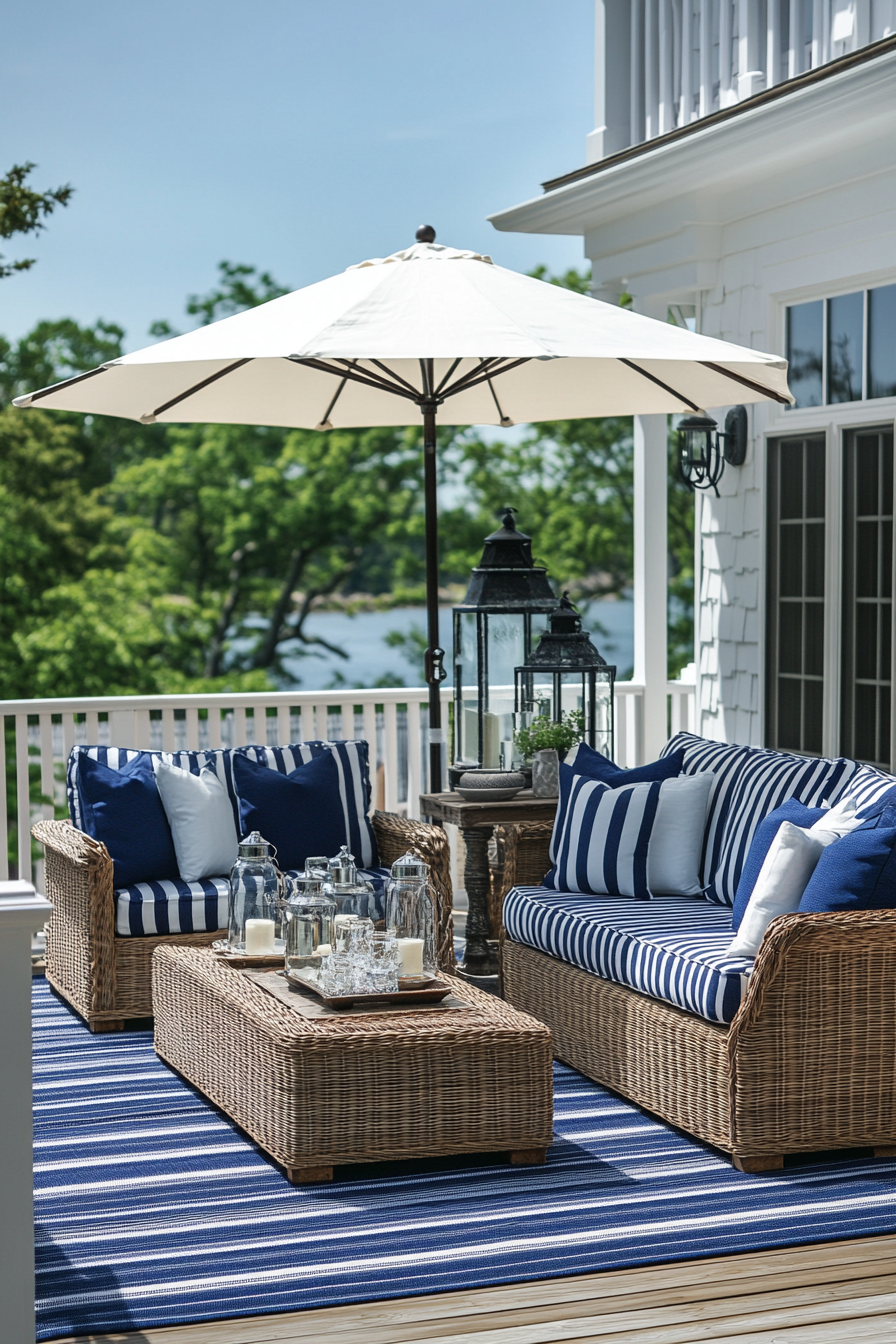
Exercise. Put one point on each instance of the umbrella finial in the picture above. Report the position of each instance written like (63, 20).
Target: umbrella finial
(425, 234)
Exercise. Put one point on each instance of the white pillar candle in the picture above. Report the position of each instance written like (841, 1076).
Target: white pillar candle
(411, 952)
(323, 949)
(259, 936)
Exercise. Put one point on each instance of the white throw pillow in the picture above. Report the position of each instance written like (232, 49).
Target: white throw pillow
(200, 815)
(676, 841)
(783, 877)
(838, 820)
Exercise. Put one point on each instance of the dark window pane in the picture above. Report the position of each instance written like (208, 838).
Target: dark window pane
(792, 480)
(804, 351)
(814, 575)
(886, 646)
(883, 726)
(845, 347)
(790, 637)
(867, 479)
(866, 723)
(886, 559)
(814, 480)
(813, 654)
(866, 640)
(866, 560)
(882, 342)
(813, 701)
(886, 489)
(789, 698)
(791, 561)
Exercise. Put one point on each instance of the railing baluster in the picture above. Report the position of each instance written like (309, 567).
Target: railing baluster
(240, 728)
(143, 730)
(284, 736)
(23, 799)
(415, 759)
(4, 813)
(168, 742)
(47, 775)
(93, 727)
(214, 727)
(192, 727)
(319, 729)
(390, 754)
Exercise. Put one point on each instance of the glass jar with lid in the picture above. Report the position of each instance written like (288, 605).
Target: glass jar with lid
(255, 915)
(411, 916)
(310, 916)
(351, 893)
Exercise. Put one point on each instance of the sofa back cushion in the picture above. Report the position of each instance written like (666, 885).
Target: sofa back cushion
(858, 872)
(350, 758)
(750, 782)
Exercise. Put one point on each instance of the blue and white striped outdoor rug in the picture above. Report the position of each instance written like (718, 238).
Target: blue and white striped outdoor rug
(152, 1209)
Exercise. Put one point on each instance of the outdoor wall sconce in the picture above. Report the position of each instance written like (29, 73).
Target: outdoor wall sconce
(701, 455)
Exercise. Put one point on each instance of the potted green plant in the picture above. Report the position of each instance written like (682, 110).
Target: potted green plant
(545, 742)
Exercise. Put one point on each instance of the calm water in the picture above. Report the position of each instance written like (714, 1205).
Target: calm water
(370, 659)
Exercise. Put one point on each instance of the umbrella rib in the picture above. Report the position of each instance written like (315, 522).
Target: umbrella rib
(464, 384)
(447, 376)
(738, 378)
(57, 387)
(353, 375)
(473, 373)
(501, 416)
(197, 387)
(333, 400)
(397, 376)
(659, 382)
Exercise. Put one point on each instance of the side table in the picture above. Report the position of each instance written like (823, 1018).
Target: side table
(477, 821)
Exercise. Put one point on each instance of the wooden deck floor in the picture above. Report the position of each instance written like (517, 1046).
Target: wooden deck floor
(833, 1293)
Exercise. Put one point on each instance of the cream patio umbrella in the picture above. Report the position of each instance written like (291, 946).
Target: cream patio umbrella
(428, 332)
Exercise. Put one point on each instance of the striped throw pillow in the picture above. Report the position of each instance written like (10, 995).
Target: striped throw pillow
(637, 841)
(749, 783)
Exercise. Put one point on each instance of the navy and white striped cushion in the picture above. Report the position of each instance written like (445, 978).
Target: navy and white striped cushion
(750, 783)
(351, 760)
(673, 950)
(601, 836)
(192, 907)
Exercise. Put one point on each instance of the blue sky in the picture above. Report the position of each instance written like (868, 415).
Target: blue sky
(298, 136)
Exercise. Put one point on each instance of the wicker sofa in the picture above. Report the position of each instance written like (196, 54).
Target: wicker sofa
(106, 978)
(808, 1062)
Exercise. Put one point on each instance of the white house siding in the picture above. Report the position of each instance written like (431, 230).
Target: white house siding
(784, 203)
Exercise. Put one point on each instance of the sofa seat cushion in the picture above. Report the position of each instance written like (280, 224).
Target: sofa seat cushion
(673, 949)
(175, 906)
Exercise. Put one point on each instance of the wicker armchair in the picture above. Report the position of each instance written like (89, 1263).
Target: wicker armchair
(107, 978)
(808, 1063)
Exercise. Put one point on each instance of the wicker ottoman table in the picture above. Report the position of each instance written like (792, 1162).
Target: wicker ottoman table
(321, 1092)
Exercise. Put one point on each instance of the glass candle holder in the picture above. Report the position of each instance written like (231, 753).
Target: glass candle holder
(310, 931)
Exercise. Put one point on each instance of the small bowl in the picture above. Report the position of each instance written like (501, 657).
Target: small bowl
(490, 786)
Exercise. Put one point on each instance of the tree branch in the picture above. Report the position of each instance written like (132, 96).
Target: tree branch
(216, 647)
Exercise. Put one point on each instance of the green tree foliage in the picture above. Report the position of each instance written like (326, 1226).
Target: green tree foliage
(23, 210)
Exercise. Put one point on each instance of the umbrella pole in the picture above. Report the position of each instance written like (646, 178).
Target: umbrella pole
(434, 669)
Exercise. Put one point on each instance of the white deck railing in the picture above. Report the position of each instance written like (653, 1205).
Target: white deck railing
(39, 734)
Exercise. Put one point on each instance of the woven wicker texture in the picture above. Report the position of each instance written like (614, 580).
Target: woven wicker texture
(526, 859)
(394, 837)
(318, 1093)
(107, 978)
(808, 1064)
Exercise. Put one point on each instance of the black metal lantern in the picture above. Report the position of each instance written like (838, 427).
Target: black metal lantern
(505, 609)
(701, 456)
(566, 672)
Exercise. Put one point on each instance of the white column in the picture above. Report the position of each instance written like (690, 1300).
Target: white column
(773, 43)
(706, 62)
(687, 76)
(636, 73)
(612, 111)
(651, 570)
(795, 40)
(725, 92)
(651, 69)
(21, 914)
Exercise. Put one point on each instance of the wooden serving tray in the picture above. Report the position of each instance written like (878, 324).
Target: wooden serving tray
(432, 991)
(247, 959)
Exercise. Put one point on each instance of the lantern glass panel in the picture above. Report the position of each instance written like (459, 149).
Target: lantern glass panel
(466, 687)
(505, 647)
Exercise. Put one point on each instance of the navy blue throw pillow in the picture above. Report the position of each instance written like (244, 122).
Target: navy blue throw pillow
(593, 765)
(299, 813)
(856, 872)
(793, 811)
(122, 809)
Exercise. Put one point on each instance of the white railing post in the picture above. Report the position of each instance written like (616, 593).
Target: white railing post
(21, 914)
(650, 586)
